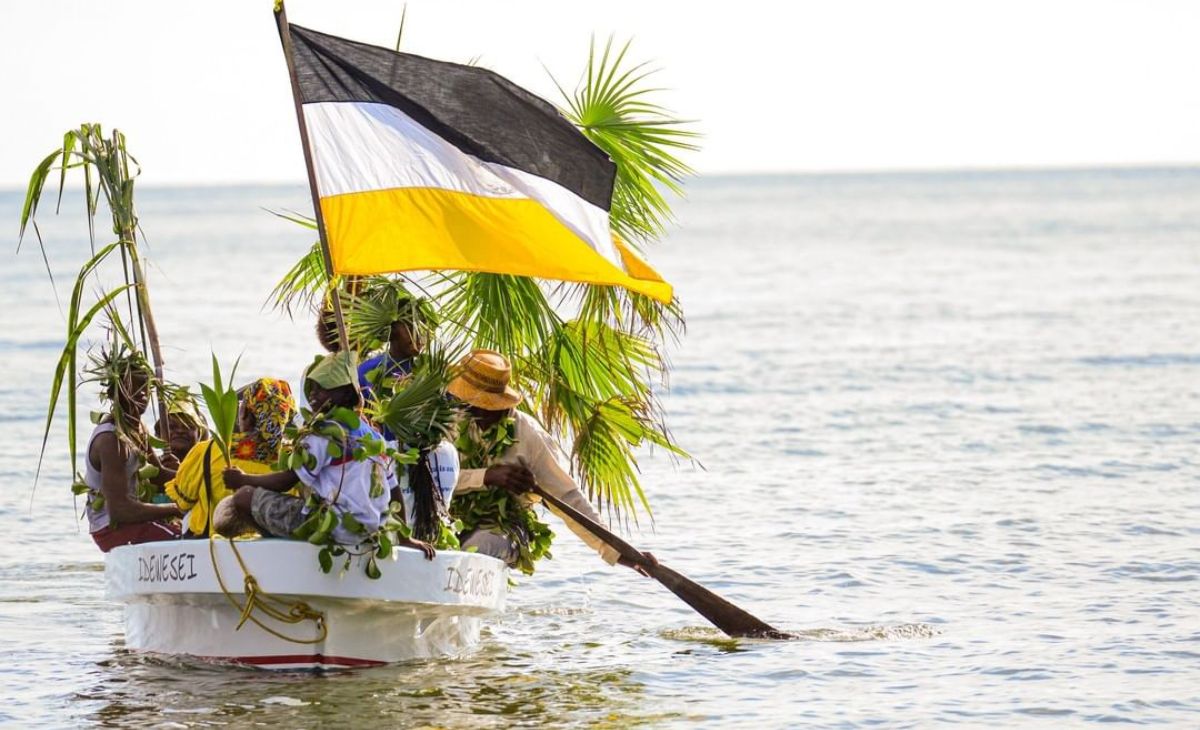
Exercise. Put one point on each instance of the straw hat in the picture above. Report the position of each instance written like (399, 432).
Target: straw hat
(483, 381)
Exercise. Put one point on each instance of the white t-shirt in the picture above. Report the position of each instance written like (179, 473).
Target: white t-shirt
(443, 464)
(352, 482)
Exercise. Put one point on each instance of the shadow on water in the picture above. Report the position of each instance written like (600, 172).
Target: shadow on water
(488, 690)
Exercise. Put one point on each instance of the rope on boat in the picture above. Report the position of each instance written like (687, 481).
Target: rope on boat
(257, 598)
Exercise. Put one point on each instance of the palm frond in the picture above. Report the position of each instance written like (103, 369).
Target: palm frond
(593, 387)
(605, 447)
(610, 107)
(418, 414)
(509, 314)
(302, 284)
(308, 279)
(630, 312)
(379, 302)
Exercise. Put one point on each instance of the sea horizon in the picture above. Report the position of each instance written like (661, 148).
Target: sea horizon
(703, 178)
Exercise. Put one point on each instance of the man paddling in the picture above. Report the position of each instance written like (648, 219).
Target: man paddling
(506, 452)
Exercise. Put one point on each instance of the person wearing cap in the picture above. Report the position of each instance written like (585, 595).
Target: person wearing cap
(532, 458)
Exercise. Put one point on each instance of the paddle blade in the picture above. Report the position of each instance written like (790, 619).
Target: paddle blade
(720, 612)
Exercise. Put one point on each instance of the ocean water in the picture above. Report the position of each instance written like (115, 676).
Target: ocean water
(946, 430)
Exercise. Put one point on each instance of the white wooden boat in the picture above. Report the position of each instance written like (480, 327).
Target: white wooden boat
(419, 608)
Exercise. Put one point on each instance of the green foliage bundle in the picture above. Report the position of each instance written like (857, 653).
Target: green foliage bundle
(335, 425)
(415, 408)
(496, 509)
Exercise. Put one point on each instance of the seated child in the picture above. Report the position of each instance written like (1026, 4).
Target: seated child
(361, 488)
(184, 429)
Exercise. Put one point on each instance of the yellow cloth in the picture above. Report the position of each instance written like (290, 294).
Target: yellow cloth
(187, 488)
(450, 229)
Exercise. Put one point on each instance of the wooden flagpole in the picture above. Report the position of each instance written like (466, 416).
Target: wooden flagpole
(285, 36)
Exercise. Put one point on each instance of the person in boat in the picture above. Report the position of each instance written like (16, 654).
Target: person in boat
(506, 451)
(407, 333)
(361, 487)
(183, 429)
(327, 329)
(117, 450)
(265, 408)
(424, 489)
(327, 334)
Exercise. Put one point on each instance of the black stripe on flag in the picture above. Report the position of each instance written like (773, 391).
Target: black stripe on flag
(477, 110)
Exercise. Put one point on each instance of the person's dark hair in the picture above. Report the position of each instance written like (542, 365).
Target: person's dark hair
(327, 331)
(428, 506)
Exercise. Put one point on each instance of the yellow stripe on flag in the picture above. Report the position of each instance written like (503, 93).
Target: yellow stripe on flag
(416, 229)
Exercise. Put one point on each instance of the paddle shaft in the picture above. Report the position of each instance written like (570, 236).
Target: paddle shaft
(720, 612)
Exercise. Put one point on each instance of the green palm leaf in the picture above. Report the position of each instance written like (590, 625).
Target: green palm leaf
(418, 414)
(509, 314)
(611, 108)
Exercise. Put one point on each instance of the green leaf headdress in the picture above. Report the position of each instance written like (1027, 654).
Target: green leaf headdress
(115, 368)
(333, 370)
(379, 303)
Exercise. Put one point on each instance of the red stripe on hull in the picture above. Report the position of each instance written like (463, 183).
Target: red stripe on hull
(273, 659)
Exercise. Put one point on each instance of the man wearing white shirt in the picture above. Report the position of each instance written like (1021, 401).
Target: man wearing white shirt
(531, 458)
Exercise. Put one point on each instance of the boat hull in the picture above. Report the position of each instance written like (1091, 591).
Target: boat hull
(418, 608)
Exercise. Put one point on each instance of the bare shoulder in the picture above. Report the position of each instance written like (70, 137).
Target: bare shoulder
(105, 440)
(103, 448)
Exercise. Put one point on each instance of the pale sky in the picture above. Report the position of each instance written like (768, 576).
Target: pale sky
(202, 92)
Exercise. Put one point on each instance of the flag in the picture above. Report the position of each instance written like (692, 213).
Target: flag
(423, 164)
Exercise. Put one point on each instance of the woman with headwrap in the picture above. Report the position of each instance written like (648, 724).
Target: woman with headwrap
(265, 408)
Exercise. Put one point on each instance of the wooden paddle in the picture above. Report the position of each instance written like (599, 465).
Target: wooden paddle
(721, 613)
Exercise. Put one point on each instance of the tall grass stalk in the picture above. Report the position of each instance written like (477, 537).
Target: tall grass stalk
(109, 170)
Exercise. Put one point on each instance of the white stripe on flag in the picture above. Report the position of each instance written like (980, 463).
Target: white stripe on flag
(364, 146)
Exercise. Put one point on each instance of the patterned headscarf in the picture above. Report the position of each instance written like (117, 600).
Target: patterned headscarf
(269, 401)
